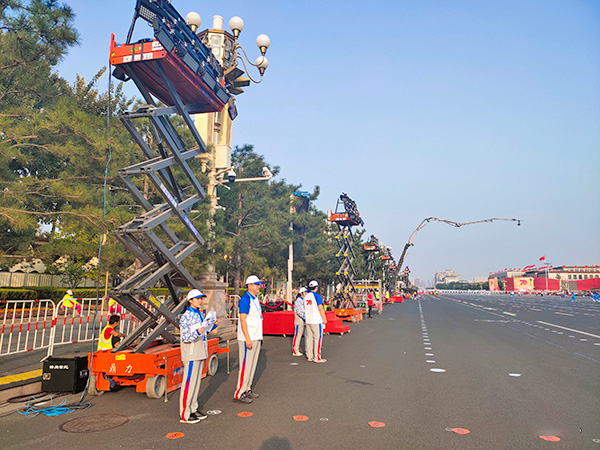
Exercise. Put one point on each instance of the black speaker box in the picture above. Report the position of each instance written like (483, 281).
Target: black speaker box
(65, 374)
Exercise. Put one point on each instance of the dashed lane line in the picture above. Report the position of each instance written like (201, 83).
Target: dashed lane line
(569, 329)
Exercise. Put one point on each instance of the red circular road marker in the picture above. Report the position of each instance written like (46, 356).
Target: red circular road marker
(460, 430)
(300, 418)
(550, 438)
(175, 435)
(376, 424)
(245, 414)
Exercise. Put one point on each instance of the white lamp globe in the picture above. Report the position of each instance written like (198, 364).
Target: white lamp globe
(236, 24)
(263, 41)
(262, 62)
(194, 20)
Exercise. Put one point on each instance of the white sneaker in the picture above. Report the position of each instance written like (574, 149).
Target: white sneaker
(322, 360)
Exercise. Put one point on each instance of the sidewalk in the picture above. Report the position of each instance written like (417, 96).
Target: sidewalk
(21, 373)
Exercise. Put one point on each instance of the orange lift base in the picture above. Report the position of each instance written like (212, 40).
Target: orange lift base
(143, 370)
(352, 315)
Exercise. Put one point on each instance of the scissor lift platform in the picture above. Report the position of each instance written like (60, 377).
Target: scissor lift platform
(199, 90)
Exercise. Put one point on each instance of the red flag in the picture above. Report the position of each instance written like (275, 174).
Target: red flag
(543, 258)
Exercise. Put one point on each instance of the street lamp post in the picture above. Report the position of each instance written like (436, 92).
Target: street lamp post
(215, 127)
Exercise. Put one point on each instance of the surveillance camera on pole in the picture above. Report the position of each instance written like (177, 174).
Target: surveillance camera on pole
(231, 176)
(266, 172)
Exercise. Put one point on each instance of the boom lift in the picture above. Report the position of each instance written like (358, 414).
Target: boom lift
(448, 222)
(177, 69)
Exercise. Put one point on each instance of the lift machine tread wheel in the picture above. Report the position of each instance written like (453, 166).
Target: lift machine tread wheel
(156, 386)
(92, 389)
(213, 365)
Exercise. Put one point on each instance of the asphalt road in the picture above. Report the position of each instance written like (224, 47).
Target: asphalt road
(441, 372)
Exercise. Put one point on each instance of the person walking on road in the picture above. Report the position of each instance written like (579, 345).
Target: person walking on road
(370, 303)
(249, 335)
(194, 351)
(315, 323)
(299, 319)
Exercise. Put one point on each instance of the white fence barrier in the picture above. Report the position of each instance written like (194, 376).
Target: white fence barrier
(37, 324)
(26, 325)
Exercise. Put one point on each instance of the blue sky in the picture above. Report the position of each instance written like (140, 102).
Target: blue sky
(461, 110)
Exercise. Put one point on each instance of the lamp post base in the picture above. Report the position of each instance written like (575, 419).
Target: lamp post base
(216, 296)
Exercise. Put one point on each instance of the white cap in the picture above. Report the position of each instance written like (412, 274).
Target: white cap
(313, 284)
(302, 289)
(253, 279)
(195, 293)
(70, 292)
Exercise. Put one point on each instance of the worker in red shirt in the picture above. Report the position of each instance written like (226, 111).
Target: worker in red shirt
(370, 303)
(110, 336)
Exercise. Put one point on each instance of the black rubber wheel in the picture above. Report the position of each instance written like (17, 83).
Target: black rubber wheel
(156, 386)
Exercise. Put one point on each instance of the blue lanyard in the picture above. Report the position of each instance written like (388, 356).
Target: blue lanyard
(256, 304)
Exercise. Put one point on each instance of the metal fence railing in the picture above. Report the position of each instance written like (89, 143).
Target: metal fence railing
(26, 325)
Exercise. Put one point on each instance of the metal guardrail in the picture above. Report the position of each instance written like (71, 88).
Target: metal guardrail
(36, 324)
(28, 325)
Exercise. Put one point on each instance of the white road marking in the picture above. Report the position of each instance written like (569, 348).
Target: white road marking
(569, 329)
(514, 374)
(438, 370)
(564, 314)
(509, 314)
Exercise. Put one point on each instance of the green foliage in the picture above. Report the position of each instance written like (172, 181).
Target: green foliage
(54, 148)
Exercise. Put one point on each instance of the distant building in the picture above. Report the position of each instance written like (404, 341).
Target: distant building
(480, 279)
(447, 276)
(567, 278)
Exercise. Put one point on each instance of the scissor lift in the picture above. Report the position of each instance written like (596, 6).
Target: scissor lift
(178, 70)
(346, 216)
(371, 248)
(389, 270)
